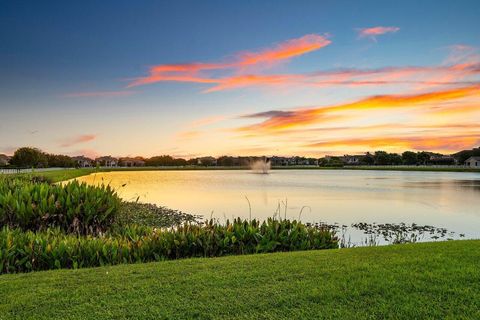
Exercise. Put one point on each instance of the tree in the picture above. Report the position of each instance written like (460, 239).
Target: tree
(381, 158)
(368, 159)
(58, 160)
(409, 158)
(29, 157)
(394, 159)
(423, 157)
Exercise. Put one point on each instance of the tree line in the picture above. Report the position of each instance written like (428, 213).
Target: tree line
(33, 157)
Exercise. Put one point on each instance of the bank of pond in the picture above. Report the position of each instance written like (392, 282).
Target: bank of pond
(74, 225)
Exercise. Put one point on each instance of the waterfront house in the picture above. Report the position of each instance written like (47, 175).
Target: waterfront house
(473, 162)
(83, 162)
(352, 160)
(439, 159)
(131, 162)
(107, 161)
(4, 160)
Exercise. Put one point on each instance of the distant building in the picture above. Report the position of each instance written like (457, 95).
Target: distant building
(83, 162)
(352, 160)
(4, 160)
(442, 160)
(107, 161)
(473, 162)
(131, 162)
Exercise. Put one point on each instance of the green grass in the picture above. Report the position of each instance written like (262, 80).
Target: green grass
(62, 175)
(414, 281)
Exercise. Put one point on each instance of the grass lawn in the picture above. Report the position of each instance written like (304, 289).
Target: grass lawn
(414, 281)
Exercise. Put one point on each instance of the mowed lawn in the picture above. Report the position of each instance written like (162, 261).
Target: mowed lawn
(414, 281)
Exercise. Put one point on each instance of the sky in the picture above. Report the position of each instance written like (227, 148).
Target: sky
(195, 78)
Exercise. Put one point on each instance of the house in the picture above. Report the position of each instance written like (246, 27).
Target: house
(107, 161)
(352, 160)
(131, 162)
(83, 162)
(4, 160)
(439, 159)
(473, 162)
(207, 161)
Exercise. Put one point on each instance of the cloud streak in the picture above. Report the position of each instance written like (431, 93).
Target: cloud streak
(373, 32)
(279, 120)
(194, 72)
(462, 67)
(78, 140)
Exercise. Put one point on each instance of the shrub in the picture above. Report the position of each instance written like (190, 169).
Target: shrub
(72, 207)
(22, 251)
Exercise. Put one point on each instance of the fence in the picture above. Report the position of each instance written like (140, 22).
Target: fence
(27, 170)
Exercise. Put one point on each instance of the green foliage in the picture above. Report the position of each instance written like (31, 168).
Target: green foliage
(151, 215)
(22, 251)
(29, 157)
(165, 161)
(72, 207)
(60, 161)
(409, 158)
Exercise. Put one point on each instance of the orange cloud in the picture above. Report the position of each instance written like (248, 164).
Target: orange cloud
(376, 31)
(190, 72)
(285, 50)
(458, 69)
(278, 120)
(79, 139)
(252, 80)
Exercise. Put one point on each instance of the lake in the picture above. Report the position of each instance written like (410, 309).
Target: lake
(443, 199)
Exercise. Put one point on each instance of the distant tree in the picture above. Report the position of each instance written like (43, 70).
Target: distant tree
(381, 158)
(58, 160)
(394, 159)
(409, 158)
(226, 161)
(423, 157)
(29, 157)
(192, 161)
(368, 159)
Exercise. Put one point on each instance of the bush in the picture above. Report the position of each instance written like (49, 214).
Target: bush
(22, 251)
(72, 207)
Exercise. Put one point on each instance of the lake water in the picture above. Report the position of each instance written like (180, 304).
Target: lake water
(443, 199)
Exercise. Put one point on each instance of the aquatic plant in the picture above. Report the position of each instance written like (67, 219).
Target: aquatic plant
(23, 251)
(72, 207)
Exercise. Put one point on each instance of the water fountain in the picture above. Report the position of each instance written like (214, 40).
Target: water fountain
(261, 166)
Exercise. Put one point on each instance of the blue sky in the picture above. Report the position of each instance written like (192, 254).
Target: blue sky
(52, 50)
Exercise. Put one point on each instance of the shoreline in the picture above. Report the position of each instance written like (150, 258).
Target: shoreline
(57, 175)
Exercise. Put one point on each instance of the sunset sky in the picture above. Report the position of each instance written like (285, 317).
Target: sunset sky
(192, 78)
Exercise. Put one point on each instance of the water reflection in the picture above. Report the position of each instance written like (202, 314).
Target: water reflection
(443, 199)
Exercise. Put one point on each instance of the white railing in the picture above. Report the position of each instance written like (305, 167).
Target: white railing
(28, 170)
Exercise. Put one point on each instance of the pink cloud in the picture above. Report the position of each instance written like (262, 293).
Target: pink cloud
(375, 31)
(194, 72)
(78, 139)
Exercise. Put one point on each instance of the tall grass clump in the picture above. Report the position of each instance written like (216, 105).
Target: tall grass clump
(24, 251)
(73, 207)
